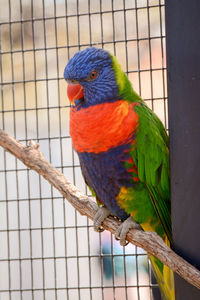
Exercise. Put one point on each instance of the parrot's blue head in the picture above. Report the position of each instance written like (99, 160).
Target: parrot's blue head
(91, 78)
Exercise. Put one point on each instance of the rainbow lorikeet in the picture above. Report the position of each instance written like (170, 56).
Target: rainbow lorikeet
(123, 150)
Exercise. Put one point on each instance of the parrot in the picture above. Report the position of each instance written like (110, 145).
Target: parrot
(123, 149)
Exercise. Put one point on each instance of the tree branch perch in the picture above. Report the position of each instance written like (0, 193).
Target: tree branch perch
(32, 157)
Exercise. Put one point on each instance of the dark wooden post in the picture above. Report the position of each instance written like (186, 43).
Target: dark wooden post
(183, 67)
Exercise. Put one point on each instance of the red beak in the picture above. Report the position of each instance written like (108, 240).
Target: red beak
(74, 92)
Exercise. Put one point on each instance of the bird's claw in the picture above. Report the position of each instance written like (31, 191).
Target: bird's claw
(118, 239)
(124, 228)
(101, 214)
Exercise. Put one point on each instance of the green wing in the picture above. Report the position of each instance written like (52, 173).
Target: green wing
(151, 156)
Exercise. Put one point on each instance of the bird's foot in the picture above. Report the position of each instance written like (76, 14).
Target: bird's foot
(101, 214)
(124, 228)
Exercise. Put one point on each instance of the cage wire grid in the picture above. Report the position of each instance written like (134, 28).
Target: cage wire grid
(48, 251)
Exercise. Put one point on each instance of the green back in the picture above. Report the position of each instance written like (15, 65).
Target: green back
(151, 156)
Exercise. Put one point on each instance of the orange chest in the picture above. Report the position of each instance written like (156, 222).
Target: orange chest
(101, 127)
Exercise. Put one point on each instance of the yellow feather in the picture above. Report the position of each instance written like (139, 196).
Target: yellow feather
(165, 278)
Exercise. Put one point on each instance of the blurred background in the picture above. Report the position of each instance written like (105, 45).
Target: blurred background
(47, 250)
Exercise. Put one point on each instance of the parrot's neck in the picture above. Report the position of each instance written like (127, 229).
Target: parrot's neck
(125, 89)
(99, 128)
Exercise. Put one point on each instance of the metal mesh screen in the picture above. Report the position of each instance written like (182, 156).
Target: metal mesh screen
(47, 250)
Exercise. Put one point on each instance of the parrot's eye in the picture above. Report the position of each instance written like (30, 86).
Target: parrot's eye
(93, 75)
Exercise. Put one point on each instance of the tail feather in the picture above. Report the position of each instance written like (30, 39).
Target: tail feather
(164, 276)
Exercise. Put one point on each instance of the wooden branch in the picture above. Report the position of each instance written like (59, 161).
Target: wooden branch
(32, 157)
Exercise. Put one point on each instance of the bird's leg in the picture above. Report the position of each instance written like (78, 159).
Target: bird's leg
(124, 228)
(101, 214)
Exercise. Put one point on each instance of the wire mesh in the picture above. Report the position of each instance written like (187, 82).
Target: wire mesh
(48, 251)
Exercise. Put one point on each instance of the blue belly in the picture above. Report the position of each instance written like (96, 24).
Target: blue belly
(105, 173)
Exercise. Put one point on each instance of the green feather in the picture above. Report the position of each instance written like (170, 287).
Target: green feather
(149, 201)
(124, 85)
(152, 143)
(150, 152)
